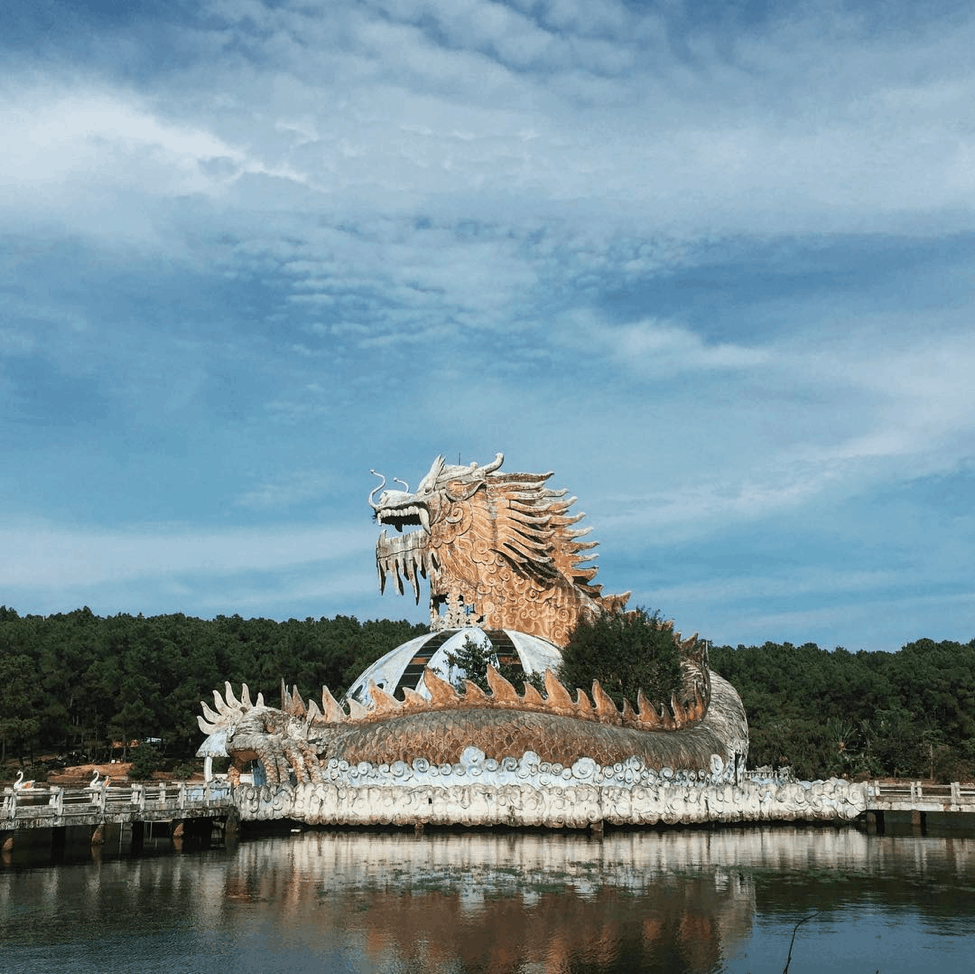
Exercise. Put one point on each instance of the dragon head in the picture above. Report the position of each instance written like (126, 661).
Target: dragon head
(498, 549)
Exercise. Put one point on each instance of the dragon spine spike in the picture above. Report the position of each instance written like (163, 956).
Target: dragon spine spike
(413, 700)
(629, 714)
(583, 707)
(331, 708)
(382, 702)
(648, 713)
(222, 708)
(501, 689)
(245, 697)
(211, 716)
(207, 729)
(605, 708)
(689, 644)
(680, 714)
(260, 700)
(559, 699)
(298, 708)
(442, 694)
(285, 699)
(357, 710)
(532, 698)
(473, 693)
(314, 714)
(228, 692)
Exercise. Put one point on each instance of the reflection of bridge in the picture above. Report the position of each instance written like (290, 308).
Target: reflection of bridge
(58, 808)
(914, 800)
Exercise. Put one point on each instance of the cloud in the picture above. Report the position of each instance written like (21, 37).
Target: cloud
(280, 493)
(663, 347)
(714, 267)
(51, 555)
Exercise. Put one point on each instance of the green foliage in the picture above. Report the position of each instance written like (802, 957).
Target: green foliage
(75, 682)
(183, 771)
(473, 659)
(146, 761)
(858, 715)
(626, 652)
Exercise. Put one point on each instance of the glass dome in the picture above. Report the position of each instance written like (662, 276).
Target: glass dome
(403, 666)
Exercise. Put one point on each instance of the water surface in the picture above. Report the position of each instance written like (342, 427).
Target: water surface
(465, 902)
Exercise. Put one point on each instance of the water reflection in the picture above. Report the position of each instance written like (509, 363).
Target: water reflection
(486, 902)
(470, 902)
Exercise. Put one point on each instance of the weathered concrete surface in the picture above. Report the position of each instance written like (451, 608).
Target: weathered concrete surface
(44, 808)
(478, 792)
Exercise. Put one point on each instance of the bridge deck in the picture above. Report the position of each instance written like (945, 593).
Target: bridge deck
(45, 808)
(916, 796)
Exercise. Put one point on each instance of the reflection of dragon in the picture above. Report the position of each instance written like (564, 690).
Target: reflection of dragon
(294, 743)
(499, 550)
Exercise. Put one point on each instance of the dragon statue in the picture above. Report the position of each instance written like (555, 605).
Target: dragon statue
(499, 550)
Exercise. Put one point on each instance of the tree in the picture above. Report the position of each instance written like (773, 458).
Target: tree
(626, 652)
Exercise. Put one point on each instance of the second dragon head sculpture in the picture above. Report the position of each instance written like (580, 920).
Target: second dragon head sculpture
(499, 550)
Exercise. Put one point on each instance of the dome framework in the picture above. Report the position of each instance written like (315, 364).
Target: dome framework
(402, 668)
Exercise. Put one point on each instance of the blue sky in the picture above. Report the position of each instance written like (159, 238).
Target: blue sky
(710, 262)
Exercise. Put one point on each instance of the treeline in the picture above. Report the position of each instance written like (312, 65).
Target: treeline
(909, 714)
(74, 683)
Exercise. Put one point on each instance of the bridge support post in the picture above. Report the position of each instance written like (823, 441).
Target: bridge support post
(59, 839)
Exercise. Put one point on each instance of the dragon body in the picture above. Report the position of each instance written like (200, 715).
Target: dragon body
(296, 741)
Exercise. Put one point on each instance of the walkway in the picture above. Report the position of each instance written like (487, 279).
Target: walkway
(47, 808)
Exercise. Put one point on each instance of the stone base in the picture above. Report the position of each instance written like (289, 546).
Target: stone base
(574, 806)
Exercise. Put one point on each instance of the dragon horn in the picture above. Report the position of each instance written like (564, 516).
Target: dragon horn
(372, 494)
(494, 464)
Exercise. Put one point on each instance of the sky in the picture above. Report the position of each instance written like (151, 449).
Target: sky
(710, 262)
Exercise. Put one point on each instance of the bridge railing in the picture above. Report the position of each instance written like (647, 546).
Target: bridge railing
(67, 803)
(916, 791)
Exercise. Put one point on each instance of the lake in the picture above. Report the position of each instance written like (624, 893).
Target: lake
(669, 901)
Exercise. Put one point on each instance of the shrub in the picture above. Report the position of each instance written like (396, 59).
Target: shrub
(626, 652)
